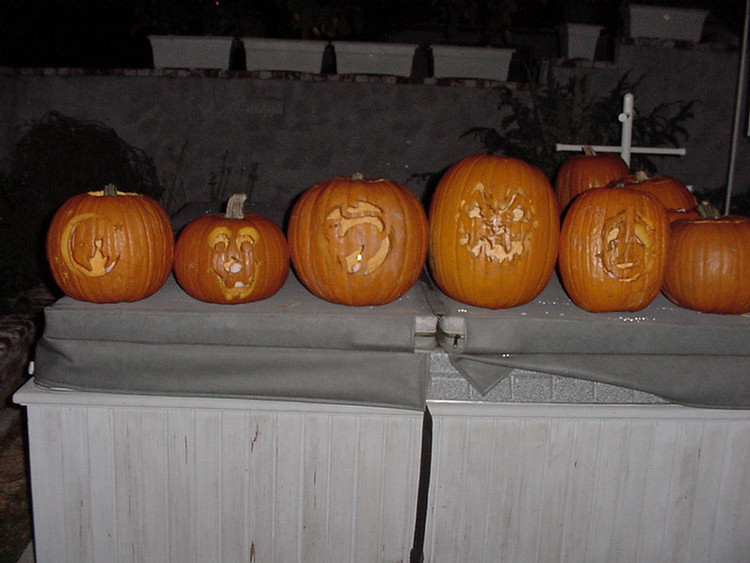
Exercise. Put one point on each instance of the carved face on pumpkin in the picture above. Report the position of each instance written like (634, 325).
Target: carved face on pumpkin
(92, 245)
(358, 237)
(233, 260)
(496, 226)
(627, 242)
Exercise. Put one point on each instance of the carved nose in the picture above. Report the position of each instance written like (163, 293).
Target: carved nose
(232, 266)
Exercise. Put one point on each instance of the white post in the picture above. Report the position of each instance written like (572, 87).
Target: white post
(737, 111)
(626, 118)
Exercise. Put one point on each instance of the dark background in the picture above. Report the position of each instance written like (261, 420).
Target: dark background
(113, 33)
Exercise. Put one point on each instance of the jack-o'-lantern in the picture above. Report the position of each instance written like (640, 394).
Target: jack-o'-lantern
(613, 249)
(358, 241)
(582, 172)
(494, 229)
(709, 265)
(232, 257)
(110, 246)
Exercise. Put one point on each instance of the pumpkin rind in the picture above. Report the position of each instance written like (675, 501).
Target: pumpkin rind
(494, 229)
(110, 248)
(613, 249)
(358, 241)
(583, 172)
(709, 265)
(231, 259)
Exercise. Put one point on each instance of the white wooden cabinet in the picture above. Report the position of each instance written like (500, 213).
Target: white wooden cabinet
(524, 483)
(129, 478)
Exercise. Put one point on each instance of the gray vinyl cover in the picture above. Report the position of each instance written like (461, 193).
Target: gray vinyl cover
(292, 346)
(680, 355)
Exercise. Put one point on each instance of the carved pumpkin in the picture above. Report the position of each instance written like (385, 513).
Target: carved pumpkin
(582, 172)
(613, 249)
(110, 246)
(358, 241)
(709, 265)
(671, 192)
(494, 229)
(232, 257)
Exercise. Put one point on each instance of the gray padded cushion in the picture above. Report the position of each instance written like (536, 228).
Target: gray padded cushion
(675, 353)
(290, 346)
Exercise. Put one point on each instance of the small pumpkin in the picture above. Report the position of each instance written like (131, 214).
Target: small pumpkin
(110, 246)
(582, 172)
(670, 191)
(494, 228)
(613, 249)
(232, 257)
(708, 267)
(358, 241)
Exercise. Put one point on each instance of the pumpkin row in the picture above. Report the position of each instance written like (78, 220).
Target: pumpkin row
(493, 239)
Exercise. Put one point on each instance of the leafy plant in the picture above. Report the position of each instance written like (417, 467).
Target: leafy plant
(557, 112)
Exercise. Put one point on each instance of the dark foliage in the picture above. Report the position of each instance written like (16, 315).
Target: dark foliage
(531, 125)
(56, 158)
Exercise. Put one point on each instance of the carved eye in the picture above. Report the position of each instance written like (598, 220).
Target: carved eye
(221, 242)
(245, 242)
(613, 235)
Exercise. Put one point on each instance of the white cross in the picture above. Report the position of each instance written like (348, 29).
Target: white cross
(625, 149)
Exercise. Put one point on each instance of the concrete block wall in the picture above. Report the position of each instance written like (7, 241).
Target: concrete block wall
(279, 133)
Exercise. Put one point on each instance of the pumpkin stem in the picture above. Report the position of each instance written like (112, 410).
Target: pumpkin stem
(358, 176)
(641, 176)
(705, 209)
(589, 151)
(236, 207)
(110, 189)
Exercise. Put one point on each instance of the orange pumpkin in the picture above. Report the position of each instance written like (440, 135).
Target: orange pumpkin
(582, 172)
(671, 192)
(613, 249)
(494, 228)
(110, 246)
(358, 241)
(232, 257)
(709, 265)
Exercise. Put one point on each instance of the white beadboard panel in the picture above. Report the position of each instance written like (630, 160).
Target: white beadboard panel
(256, 481)
(588, 483)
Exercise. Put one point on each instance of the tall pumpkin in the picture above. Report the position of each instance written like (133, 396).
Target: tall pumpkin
(582, 172)
(613, 249)
(231, 257)
(494, 228)
(709, 265)
(109, 246)
(358, 241)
